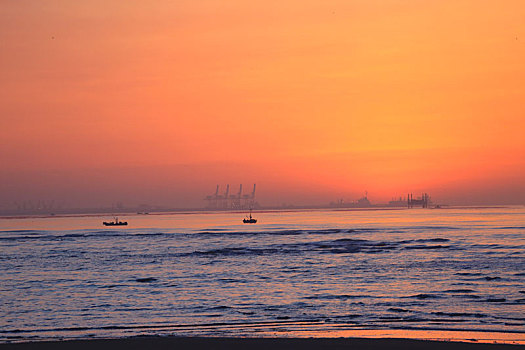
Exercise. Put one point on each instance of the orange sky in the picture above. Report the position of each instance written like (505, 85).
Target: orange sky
(313, 100)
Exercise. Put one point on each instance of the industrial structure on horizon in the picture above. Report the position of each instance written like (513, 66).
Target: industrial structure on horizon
(227, 201)
(422, 201)
(362, 202)
(409, 202)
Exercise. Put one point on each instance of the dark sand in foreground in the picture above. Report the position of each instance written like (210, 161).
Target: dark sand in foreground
(252, 344)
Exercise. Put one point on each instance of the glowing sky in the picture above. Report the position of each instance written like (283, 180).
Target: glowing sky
(157, 102)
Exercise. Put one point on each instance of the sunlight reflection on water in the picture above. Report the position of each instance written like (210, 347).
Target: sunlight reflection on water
(452, 269)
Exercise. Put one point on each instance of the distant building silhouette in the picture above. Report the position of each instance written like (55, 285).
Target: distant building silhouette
(229, 201)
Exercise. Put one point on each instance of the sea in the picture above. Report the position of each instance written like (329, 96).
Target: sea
(293, 273)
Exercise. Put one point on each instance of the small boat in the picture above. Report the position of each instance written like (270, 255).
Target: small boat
(115, 223)
(249, 219)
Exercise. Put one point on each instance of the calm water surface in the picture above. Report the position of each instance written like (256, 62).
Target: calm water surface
(208, 274)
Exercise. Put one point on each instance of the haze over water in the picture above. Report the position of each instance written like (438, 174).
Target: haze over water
(201, 273)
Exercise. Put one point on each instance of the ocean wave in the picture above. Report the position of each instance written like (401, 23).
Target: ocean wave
(337, 297)
(21, 238)
(496, 300)
(423, 296)
(21, 231)
(235, 251)
(459, 314)
(459, 291)
(146, 279)
(398, 309)
(254, 233)
(490, 278)
(337, 246)
(432, 240)
(44, 235)
(427, 247)
(214, 232)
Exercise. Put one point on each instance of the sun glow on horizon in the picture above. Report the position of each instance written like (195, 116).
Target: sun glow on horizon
(338, 97)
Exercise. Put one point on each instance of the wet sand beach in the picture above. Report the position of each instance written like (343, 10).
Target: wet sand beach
(251, 343)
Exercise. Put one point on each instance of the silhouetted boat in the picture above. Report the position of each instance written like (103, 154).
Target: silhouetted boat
(115, 223)
(249, 219)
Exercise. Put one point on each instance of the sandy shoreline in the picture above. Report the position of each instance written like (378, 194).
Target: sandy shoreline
(252, 343)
